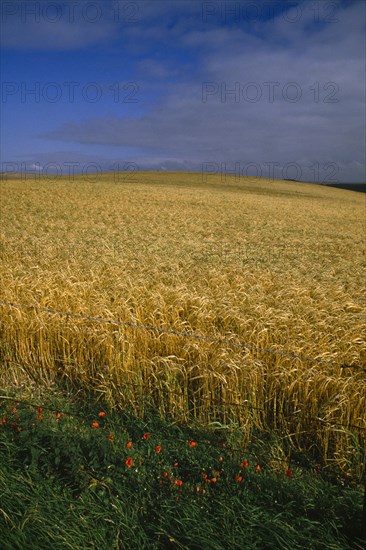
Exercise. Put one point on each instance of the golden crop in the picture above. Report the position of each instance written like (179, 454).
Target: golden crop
(272, 264)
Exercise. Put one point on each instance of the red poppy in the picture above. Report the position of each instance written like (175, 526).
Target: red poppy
(3, 420)
(58, 415)
(39, 410)
(288, 473)
(239, 479)
(244, 464)
(101, 414)
(204, 476)
(146, 436)
(179, 482)
(176, 464)
(95, 425)
(192, 443)
(213, 480)
(40, 416)
(221, 459)
(111, 437)
(129, 445)
(165, 474)
(158, 448)
(129, 462)
(257, 468)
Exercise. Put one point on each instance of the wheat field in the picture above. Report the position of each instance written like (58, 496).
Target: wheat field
(271, 264)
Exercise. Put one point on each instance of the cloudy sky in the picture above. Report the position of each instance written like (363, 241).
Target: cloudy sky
(261, 88)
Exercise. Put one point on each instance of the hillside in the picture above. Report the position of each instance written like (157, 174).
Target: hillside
(269, 264)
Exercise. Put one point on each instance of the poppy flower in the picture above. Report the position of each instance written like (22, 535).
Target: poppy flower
(158, 448)
(179, 482)
(239, 479)
(146, 436)
(192, 443)
(40, 416)
(213, 480)
(257, 468)
(176, 464)
(244, 464)
(95, 425)
(129, 462)
(3, 420)
(221, 459)
(165, 474)
(129, 445)
(111, 437)
(39, 410)
(204, 476)
(288, 473)
(58, 415)
(101, 414)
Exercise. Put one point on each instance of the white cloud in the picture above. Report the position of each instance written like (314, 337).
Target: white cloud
(323, 126)
(324, 60)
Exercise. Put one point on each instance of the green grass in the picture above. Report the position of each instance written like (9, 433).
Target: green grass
(65, 484)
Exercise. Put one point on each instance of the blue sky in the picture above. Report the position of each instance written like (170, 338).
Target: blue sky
(257, 88)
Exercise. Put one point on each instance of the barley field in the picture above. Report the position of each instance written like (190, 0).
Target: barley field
(271, 264)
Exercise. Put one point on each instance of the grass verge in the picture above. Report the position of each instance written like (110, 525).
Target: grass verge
(74, 474)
